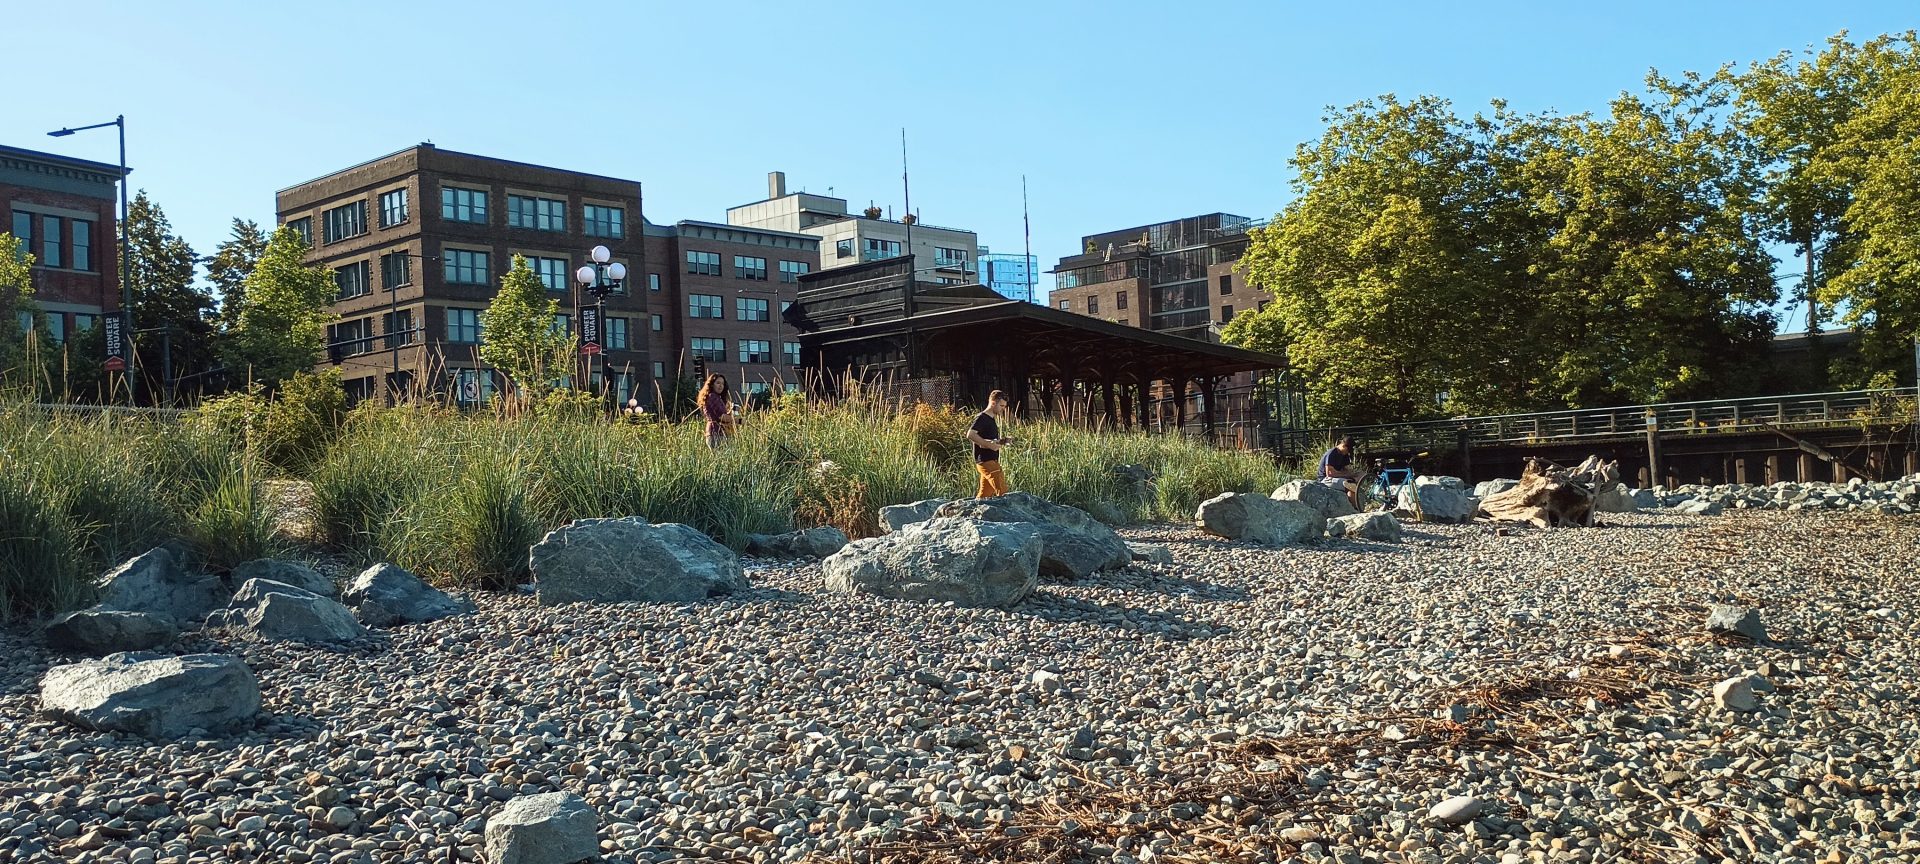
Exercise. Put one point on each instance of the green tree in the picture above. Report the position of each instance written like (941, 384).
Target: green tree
(233, 260)
(1876, 154)
(279, 318)
(160, 275)
(518, 335)
(1652, 283)
(16, 300)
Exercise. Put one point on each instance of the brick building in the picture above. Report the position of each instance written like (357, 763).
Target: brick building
(63, 212)
(419, 239)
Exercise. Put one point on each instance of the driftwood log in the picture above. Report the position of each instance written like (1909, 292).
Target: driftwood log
(1550, 496)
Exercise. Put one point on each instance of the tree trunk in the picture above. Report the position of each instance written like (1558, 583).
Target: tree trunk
(1550, 496)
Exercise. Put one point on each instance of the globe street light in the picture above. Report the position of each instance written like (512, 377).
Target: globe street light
(597, 278)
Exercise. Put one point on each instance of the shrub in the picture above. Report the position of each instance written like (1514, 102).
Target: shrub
(41, 569)
(290, 430)
(938, 433)
(488, 526)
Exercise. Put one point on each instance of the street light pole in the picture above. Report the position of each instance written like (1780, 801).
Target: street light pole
(598, 277)
(126, 288)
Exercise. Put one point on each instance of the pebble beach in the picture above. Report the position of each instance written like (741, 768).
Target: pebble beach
(1473, 694)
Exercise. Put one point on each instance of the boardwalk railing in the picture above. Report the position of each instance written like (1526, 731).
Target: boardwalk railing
(1893, 406)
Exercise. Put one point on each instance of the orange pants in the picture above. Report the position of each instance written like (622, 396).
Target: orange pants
(993, 481)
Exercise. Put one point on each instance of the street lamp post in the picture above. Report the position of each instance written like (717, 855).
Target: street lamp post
(598, 278)
(126, 289)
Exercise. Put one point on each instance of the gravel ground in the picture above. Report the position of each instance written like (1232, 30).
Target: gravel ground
(1244, 704)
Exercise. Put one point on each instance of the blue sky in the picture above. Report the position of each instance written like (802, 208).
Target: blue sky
(1119, 113)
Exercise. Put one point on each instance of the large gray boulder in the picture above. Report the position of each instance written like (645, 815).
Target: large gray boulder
(107, 631)
(276, 611)
(1736, 620)
(1701, 507)
(158, 584)
(947, 559)
(809, 543)
(385, 595)
(152, 694)
(550, 828)
(1260, 519)
(1438, 503)
(1331, 502)
(1614, 499)
(1493, 487)
(1367, 526)
(1644, 499)
(1074, 543)
(286, 573)
(897, 516)
(627, 559)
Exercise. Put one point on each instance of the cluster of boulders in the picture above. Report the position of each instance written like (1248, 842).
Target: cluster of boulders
(152, 598)
(1891, 498)
(1294, 513)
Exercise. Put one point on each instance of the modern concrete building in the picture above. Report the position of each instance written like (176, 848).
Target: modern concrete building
(1180, 278)
(63, 212)
(948, 254)
(419, 239)
(1014, 277)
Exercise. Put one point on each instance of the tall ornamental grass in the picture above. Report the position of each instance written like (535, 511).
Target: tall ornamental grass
(81, 492)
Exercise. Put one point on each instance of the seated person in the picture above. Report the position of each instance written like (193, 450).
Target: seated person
(1337, 469)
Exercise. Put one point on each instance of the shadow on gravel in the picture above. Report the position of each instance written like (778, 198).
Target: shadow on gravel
(1180, 586)
(769, 595)
(1058, 608)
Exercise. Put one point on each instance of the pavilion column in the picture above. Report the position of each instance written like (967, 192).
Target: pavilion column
(1046, 398)
(1127, 392)
(1178, 390)
(1068, 400)
(1022, 385)
(1207, 386)
(1143, 398)
(1106, 399)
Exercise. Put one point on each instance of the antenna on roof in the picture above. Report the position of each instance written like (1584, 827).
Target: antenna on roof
(1026, 228)
(906, 191)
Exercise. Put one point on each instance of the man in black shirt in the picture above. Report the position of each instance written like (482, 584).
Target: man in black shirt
(985, 435)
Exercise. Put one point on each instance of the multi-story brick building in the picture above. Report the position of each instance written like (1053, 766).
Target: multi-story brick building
(419, 239)
(63, 212)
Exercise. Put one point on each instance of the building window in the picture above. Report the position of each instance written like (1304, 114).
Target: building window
(653, 281)
(346, 220)
(1226, 314)
(656, 322)
(710, 350)
(473, 386)
(552, 272)
(463, 326)
(396, 269)
(23, 232)
(1226, 284)
(50, 241)
(944, 257)
(605, 221)
(463, 205)
(756, 351)
(1066, 305)
(750, 309)
(659, 369)
(562, 324)
(393, 208)
(747, 267)
(84, 321)
(304, 228)
(540, 214)
(398, 327)
(465, 267)
(792, 350)
(1120, 300)
(843, 248)
(1093, 304)
(352, 337)
(703, 263)
(791, 271)
(704, 306)
(880, 250)
(82, 243)
(617, 334)
(352, 280)
(56, 329)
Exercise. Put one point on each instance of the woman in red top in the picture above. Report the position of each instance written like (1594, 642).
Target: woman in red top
(718, 410)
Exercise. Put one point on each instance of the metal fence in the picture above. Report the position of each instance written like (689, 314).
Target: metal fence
(1893, 406)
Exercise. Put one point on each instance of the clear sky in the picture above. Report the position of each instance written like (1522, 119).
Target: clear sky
(1119, 113)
